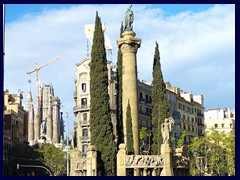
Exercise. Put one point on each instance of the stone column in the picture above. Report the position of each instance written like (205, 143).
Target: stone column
(129, 45)
(154, 173)
(91, 161)
(49, 122)
(30, 125)
(166, 152)
(145, 172)
(121, 156)
(55, 116)
(37, 122)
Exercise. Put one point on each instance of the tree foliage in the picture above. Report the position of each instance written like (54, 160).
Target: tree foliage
(130, 149)
(100, 118)
(54, 158)
(180, 141)
(143, 134)
(159, 103)
(218, 152)
(119, 95)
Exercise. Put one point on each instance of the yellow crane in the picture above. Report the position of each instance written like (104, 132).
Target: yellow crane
(40, 67)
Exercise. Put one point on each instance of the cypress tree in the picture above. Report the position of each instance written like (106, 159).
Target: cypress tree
(100, 118)
(119, 95)
(159, 103)
(130, 149)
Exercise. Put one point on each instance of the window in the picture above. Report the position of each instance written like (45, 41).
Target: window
(179, 107)
(84, 148)
(184, 107)
(215, 125)
(84, 101)
(84, 87)
(85, 132)
(183, 116)
(140, 94)
(146, 97)
(231, 125)
(147, 110)
(222, 125)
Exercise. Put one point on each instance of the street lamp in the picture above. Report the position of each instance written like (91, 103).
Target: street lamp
(201, 161)
(67, 144)
(35, 166)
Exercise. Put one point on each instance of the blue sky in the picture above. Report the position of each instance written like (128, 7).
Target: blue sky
(16, 11)
(196, 43)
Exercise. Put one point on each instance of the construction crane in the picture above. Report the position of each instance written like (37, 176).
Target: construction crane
(40, 67)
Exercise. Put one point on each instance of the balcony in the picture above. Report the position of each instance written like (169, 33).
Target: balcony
(84, 123)
(201, 124)
(81, 108)
(15, 138)
(16, 127)
(144, 113)
(84, 138)
(142, 99)
(75, 95)
(200, 115)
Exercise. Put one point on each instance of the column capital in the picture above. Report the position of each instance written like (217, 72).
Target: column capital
(129, 43)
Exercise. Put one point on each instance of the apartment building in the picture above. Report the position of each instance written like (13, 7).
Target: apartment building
(220, 119)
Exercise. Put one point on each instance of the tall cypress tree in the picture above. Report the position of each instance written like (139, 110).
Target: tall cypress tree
(119, 95)
(130, 149)
(159, 103)
(100, 118)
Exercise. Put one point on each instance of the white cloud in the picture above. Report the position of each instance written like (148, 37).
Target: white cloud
(197, 49)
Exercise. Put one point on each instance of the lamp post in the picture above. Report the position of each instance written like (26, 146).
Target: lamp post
(34, 166)
(67, 144)
(201, 161)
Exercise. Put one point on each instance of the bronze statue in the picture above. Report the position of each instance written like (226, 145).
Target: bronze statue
(128, 19)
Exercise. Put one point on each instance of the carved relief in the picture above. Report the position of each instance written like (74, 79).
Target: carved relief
(144, 161)
(129, 48)
(81, 164)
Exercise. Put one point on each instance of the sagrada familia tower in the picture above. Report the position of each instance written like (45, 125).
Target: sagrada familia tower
(45, 123)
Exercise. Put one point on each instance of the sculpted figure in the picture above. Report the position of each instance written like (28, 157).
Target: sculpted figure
(128, 19)
(166, 128)
(43, 127)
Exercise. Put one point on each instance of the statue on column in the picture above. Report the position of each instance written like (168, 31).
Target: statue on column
(128, 19)
(166, 129)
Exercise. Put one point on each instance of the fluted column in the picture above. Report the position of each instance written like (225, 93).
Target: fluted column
(129, 45)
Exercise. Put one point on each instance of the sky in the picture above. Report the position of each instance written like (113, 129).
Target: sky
(196, 44)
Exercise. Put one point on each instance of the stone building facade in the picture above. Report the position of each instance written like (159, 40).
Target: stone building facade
(14, 126)
(220, 119)
(45, 120)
